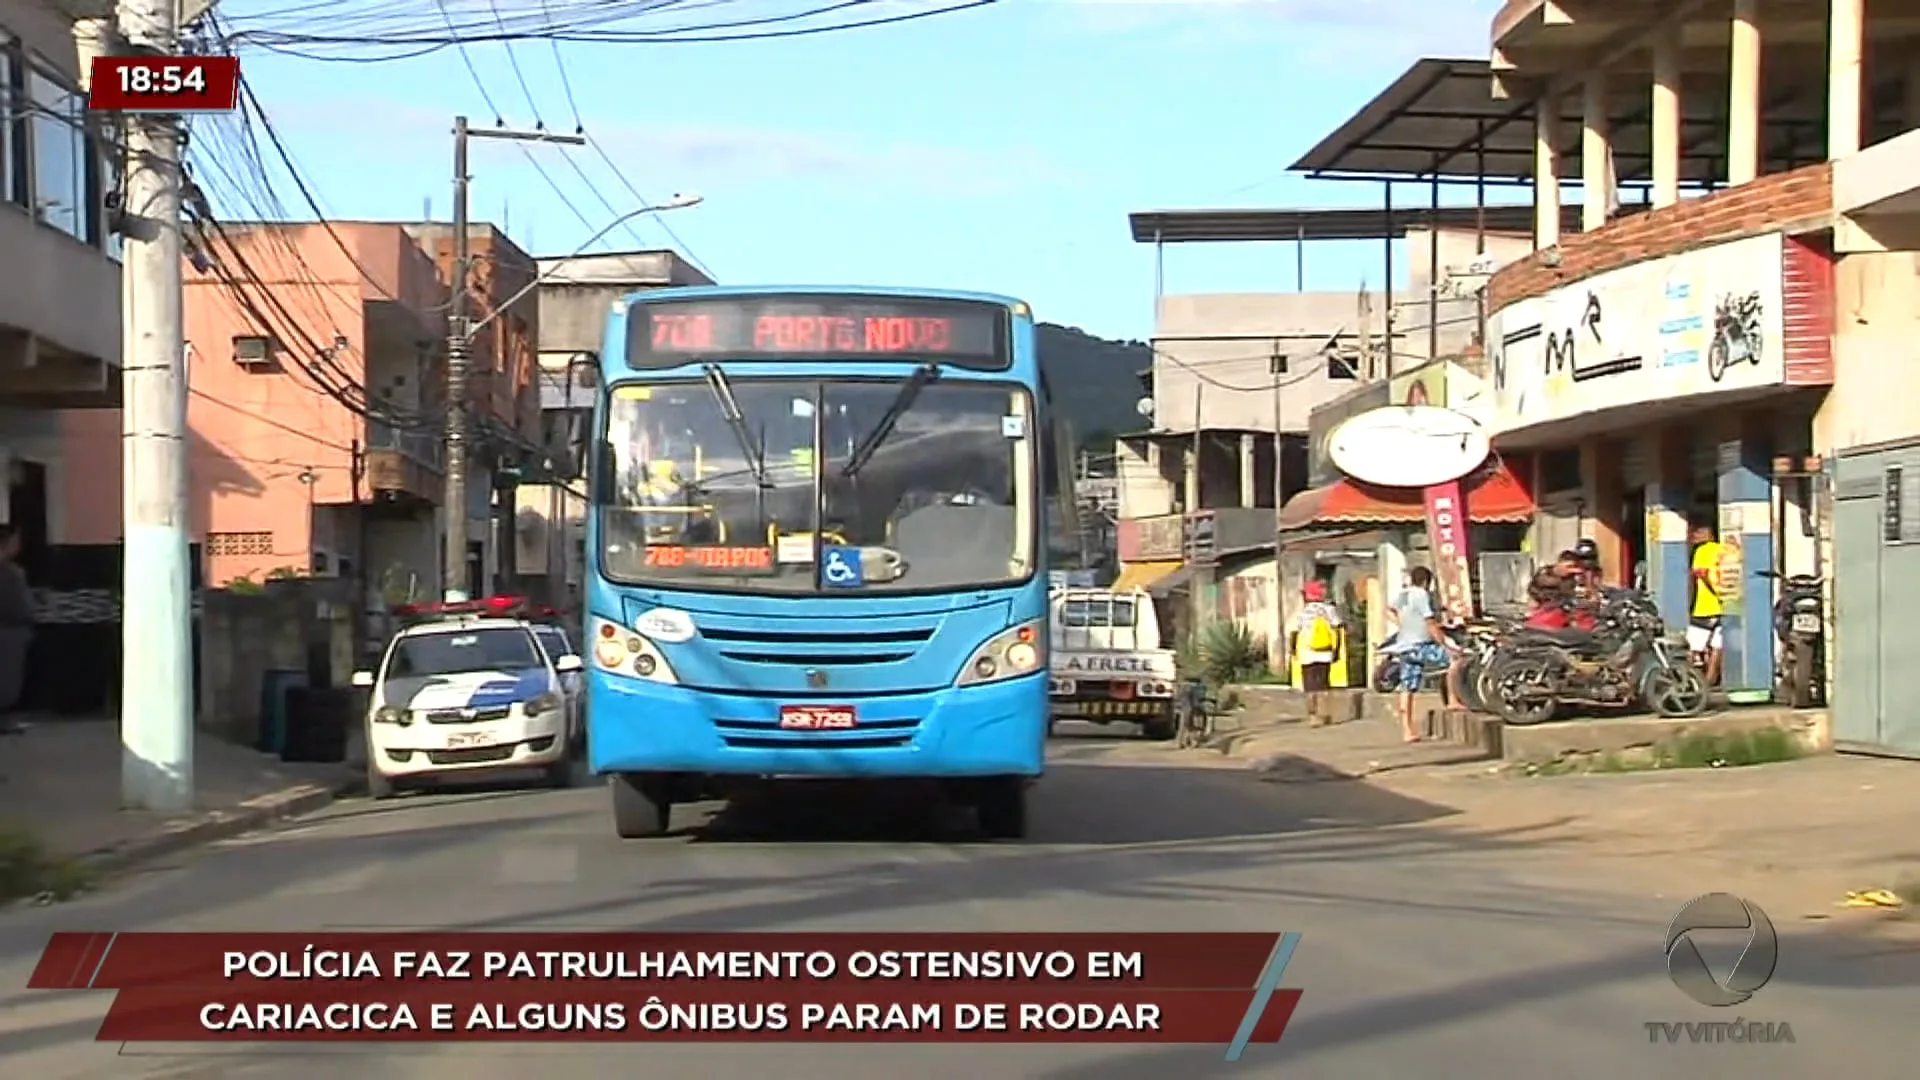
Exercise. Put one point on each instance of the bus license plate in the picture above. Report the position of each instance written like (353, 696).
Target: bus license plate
(816, 717)
(468, 740)
(1806, 622)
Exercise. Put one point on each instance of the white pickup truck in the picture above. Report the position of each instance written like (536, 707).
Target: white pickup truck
(1108, 666)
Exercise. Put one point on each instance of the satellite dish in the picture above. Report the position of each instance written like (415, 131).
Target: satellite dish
(1409, 446)
(1144, 407)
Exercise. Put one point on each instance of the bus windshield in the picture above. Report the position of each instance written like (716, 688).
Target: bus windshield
(798, 485)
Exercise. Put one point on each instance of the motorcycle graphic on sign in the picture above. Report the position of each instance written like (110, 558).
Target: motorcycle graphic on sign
(1737, 334)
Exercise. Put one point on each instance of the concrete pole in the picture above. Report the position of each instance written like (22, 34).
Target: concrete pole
(459, 353)
(1596, 154)
(1743, 94)
(1546, 172)
(1666, 120)
(156, 720)
(1844, 43)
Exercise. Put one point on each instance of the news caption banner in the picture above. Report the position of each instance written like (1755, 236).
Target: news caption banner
(1166, 988)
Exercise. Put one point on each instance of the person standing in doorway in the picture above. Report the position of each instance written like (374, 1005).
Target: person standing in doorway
(16, 629)
(1705, 612)
(1316, 644)
(1417, 642)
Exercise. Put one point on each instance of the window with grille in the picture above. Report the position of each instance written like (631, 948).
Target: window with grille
(240, 543)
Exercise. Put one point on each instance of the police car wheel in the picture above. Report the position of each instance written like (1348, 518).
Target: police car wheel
(637, 816)
(378, 786)
(560, 773)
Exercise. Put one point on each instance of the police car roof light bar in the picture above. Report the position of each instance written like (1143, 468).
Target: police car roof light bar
(498, 607)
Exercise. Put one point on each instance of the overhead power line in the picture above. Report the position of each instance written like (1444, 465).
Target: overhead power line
(372, 31)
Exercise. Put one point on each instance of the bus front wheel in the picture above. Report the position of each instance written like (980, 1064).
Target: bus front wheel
(1001, 805)
(640, 810)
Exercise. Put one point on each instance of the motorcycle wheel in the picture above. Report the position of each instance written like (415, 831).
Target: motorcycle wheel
(1386, 675)
(1717, 358)
(1470, 672)
(1485, 690)
(1524, 691)
(1677, 692)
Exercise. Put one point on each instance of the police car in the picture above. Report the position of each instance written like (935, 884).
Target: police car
(482, 685)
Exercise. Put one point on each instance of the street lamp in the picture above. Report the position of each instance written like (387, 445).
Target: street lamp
(678, 202)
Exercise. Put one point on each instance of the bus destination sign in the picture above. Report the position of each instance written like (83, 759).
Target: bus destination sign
(963, 333)
(738, 560)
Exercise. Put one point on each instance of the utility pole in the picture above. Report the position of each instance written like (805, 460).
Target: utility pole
(460, 350)
(157, 692)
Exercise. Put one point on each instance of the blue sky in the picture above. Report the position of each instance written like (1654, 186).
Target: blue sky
(999, 149)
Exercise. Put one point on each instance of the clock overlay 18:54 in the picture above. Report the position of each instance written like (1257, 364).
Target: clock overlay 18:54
(164, 84)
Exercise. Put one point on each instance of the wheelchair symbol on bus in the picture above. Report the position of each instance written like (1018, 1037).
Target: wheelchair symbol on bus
(842, 568)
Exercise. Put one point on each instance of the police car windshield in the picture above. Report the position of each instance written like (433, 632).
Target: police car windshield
(554, 642)
(502, 648)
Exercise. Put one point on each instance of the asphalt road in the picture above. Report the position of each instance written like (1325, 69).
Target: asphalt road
(1425, 952)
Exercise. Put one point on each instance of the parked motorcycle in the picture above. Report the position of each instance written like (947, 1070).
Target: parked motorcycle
(1626, 660)
(1386, 673)
(1480, 646)
(1799, 622)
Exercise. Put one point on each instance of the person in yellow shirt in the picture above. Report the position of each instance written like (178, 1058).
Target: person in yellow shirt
(1315, 640)
(1704, 614)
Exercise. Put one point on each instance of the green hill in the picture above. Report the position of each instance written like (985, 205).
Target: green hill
(1095, 380)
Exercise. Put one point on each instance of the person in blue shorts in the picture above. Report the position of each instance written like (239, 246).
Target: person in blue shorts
(1417, 641)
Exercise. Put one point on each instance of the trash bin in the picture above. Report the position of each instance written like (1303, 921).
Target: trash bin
(275, 684)
(317, 723)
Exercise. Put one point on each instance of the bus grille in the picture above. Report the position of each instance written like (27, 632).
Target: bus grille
(768, 735)
(835, 648)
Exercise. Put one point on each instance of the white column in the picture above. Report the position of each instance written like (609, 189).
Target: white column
(1743, 94)
(156, 719)
(1546, 172)
(1596, 155)
(1843, 77)
(1666, 120)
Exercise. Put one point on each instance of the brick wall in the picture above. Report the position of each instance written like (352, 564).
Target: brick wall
(1771, 203)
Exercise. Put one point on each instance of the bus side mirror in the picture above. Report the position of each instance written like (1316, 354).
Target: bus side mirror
(598, 468)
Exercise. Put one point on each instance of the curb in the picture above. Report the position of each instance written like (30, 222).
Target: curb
(254, 814)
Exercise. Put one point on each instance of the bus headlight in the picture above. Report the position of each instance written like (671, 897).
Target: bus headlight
(1019, 650)
(619, 651)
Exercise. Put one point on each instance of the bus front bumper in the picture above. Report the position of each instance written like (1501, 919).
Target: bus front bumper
(998, 729)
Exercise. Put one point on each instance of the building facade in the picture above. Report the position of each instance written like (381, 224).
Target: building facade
(311, 399)
(503, 308)
(60, 277)
(1732, 360)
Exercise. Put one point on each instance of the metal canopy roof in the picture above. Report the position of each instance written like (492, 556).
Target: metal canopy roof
(1440, 119)
(1360, 223)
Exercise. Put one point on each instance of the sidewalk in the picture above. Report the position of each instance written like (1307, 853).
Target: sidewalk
(1796, 837)
(62, 784)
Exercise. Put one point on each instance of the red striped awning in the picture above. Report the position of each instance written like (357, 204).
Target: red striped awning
(1494, 495)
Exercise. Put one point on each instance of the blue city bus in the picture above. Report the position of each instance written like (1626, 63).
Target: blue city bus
(817, 546)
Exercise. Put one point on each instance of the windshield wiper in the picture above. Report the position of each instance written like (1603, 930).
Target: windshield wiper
(737, 423)
(909, 392)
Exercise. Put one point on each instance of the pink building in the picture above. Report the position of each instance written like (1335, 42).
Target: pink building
(288, 472)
